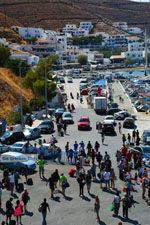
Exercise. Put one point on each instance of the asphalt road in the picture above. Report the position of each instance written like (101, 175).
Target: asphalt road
(74, 210)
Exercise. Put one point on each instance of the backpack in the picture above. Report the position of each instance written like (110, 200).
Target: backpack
(30, 181)
(40, 209)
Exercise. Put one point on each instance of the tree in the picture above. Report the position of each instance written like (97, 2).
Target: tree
(14, 65)
(36, 103)
(29, 79)
(4, 55)
(129, 61)
(82, 59)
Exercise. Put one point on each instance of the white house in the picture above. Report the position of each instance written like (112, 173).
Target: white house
(69, 28)
(30, 32)
(121, 25)
(26, 57)
(137, 55)
(86, 25)
(136, 46)
(116, 41)
(135, 30)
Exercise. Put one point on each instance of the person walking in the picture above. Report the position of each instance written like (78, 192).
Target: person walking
(18, 211)
(99, 159)
(103, 137)
(133, 135)
(129, 138)
(25, 199)
(12, 182)
(9, 210)
(41, 163)
(126, 203)
(119, 125)
(123, 139)
(116, 202)
(44, 207)
(81, 182)
(16, 175)
(51, 185)
(97, 146)
(112, 178)
(55, 177)
(107, 179)
(88, 179)
(65, 128)
(97, 207)
(62, 182)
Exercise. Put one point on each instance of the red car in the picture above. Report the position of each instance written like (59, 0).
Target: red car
(84, 92)
(84, 123)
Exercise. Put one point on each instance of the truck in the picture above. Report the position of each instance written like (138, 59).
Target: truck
(100, 104)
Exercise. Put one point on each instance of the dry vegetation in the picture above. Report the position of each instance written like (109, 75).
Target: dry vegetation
(9, 92)
(53, 14)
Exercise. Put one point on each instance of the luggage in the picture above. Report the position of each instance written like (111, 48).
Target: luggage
(72, 172)
(12, 222)
(20, 187)
(30, 181)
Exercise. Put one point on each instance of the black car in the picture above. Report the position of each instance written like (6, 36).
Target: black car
(46, 127)
(111, 111)
(129, 123)
(108, 128)
(10, 137)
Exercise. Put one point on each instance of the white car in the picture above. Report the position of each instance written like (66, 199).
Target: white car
(123, 114)
(110, 119)
(31, 133)
(69, 80)
(67, 117)
(22, 147)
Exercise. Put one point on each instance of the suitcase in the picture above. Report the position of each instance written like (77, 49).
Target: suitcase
(20, 187)
(30, 181)
(12, 222)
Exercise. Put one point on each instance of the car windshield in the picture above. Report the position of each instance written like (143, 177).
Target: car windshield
(46, 123)
(109, 118)
(84, 120)
(67, 115)
(7, 134)
(27, 130)
(17, 145)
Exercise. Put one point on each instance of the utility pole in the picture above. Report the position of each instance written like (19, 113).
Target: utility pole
(46, 98)
(21, 104)
(146, 59)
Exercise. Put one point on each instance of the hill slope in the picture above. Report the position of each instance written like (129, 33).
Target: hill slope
(53, 14)
(10, 92)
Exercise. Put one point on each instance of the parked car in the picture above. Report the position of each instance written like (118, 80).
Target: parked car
(110, 119)
(142, 108)
(112, 111)
(123, 114)
(84, 123)
(113, 105)
(69, 80)
(17, 165)
(144, 151)
(145, 138)
(108, 128)
(10, 137)
(62, 79)
(67, 117)
(83, 86)
(47, 126)
(3, 148)
(31, 133)
(128, 123)
(84, 92)
(59, 112)
(46, 151)
(83, 81)
(22, 147)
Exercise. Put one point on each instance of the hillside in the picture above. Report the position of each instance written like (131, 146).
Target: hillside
(10, 92)
(54, 14)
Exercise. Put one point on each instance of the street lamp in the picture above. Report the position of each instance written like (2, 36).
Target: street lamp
(21, 105)
(46, 98)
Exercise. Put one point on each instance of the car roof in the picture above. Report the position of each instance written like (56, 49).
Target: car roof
(67, 113)
(84, 117)
(129, 118)
(109, 116)
(15, 154)
(107, 122)
(20, 142)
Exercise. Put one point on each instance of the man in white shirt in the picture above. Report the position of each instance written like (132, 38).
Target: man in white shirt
(107, 179)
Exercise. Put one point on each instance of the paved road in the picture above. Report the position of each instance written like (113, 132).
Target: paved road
(74, 210)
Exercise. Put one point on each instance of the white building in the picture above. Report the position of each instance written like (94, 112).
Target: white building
(116, 41)
(137, 55)
(69, 28)
(121, 25)
(136, 46)
(3, 41)
(86, 25)
(26, 57)
(135, 30)
(30, 32)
